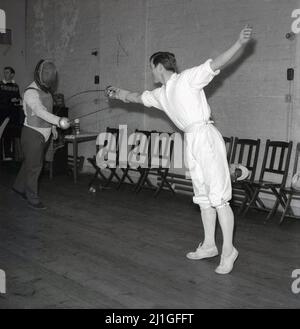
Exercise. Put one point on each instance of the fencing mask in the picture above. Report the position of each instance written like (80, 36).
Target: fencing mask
(45, 76)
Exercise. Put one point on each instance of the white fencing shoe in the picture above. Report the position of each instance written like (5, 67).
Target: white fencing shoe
(202, 253)
(226, 264)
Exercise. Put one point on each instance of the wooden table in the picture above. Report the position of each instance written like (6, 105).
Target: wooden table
(75, 140)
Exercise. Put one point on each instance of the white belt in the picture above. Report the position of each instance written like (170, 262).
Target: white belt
(195, 125)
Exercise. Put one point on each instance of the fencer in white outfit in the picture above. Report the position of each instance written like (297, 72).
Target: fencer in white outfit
(184, 101)
(182, 98)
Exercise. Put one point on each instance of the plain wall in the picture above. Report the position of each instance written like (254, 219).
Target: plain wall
(15, 54)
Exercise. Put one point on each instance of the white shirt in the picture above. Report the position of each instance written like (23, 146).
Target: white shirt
(32, 99)
(183, 98)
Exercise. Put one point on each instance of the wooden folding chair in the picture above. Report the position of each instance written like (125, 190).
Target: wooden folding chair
(136, 167)
(229, 145)
(287, 194)
(245, 152)
(278, 167)
(162, 145)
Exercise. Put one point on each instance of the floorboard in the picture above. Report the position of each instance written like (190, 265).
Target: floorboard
(116, 249)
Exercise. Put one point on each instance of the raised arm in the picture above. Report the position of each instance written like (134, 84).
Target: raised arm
(223, 59)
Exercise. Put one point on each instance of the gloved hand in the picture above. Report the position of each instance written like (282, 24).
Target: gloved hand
(122, 94)
(117, 93)
(64, 123)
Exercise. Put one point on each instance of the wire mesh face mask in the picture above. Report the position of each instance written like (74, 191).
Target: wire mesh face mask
(46, 76)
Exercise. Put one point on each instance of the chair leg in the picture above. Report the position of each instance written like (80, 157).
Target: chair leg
(98, 172)
(141, 182)
(116, 175)
(163, 183)
(144, 180)
(285, 200)
(169, 186)
(247, 198)
(260, 203)
(109, 179)
(250, 191)
(94, 178)
(125, 174)
(282, 198)
(125, 171)
(255, 194)
(159, 188)
(148, 182)
(243, 205)
(273, 211)
(285, 210)
(111, 176)
(276, 205)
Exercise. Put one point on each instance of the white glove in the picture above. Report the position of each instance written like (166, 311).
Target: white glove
(117, 93)
(121, 94)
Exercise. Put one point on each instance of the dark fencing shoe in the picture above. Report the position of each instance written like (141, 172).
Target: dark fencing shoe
(37, 206)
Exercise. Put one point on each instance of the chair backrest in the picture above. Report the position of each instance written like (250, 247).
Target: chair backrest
(274, 164)
(296, 162)
(245, 152)
(162, 149)
(2, 127)
(229, 144)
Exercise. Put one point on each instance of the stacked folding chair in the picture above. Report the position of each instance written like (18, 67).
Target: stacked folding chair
(162, 145)
(112, 144)
(139, 158)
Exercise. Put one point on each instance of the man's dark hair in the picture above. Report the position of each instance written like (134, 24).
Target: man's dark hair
(167, 59)
(10, 69)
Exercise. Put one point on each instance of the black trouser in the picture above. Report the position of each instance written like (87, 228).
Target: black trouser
(33, 146)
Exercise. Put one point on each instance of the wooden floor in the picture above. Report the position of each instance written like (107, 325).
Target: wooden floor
(116, 249)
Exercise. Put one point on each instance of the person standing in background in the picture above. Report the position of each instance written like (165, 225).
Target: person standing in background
(9, 108)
